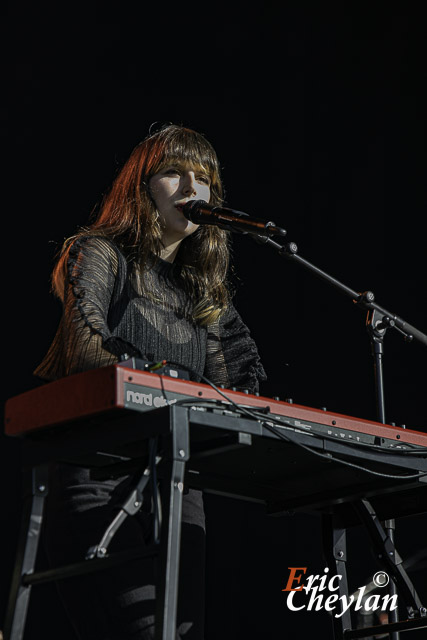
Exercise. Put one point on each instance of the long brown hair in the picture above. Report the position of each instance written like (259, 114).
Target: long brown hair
(127, 215)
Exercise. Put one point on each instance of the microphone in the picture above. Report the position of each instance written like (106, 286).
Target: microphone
(200, 212)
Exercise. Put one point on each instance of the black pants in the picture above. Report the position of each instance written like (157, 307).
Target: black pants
(119, 603)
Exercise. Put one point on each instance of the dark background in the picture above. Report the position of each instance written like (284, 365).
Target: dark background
(318, 118)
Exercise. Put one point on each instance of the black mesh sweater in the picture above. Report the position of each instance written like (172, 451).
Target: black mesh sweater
(107, 312)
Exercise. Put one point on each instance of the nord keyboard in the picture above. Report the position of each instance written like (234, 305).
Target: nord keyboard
(284, 455)
(116, 389)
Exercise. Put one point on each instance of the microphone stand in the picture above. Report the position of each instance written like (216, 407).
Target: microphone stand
(378, 321)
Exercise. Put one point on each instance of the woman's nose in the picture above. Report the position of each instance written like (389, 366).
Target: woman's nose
(189, 184)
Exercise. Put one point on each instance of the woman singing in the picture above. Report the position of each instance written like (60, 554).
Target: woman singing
(142, 281)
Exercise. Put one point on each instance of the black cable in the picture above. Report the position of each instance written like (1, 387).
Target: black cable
(284, 423)
(329, 457)
(286, 438)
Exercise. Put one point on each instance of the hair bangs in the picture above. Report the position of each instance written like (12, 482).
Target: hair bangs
(181, 146)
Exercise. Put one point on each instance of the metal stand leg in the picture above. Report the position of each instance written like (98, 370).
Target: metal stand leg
(390, 557)
(335, 550)
(390, 526)
(29, 538)
(334, 538)
(170, 540)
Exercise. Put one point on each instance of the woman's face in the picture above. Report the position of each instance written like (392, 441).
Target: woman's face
(173, 185)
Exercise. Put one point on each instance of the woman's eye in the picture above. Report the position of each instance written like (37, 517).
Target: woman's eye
(205, 179)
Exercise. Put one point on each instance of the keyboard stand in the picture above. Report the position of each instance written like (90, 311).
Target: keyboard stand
(24, 576)
(172, 425)
(335, 550)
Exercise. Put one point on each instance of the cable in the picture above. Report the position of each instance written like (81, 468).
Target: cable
(348, 464)
(327, 456)
(280, 435)
(283, 423)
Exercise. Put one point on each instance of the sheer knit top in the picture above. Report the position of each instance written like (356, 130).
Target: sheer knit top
(111, 308)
